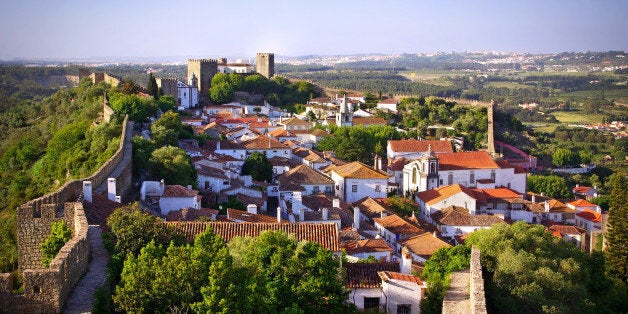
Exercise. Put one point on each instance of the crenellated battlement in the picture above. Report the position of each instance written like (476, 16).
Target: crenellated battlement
(203, 60)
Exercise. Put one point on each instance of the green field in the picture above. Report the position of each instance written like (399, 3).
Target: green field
(618, 96)
(577, 117)
(511, 85)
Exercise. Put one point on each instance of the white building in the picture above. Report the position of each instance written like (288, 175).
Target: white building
(169, 197)
(470, 169)
(188, 93)
(414, 149)
(356, 180)
(389, 104)
(404, 292)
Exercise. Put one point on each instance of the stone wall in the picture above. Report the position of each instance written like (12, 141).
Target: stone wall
(46, 289)
(476, 283)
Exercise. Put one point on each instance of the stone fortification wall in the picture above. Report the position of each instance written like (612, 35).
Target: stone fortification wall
(46, 289)
(476, 283)
(71, 190)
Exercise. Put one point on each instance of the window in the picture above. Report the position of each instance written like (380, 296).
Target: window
(328, 189)
(423, 168)
(206, 185)
(316, 189)
(378, 188)
(225, 182)
(347, 120)
(404, 308)
(493, 175)
(354, 188)
(433, 167)
(450, 178)
(472, 177)
(371, 303)
(413, 175)
(440, 182)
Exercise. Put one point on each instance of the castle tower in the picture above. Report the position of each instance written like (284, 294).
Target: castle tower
(490, 131)
(265, 64)
(344, 117)
(204, 70)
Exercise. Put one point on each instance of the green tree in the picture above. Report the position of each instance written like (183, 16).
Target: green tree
(151, 86)
(132, 229)
(142, 151)
(221, 93)
(167, 103)
(258, 166)
(563, 157)
(293, 275)
(553, 186)
(139, 109)
(617, 235)
(436, 273)
(173, 165)
(59, 235)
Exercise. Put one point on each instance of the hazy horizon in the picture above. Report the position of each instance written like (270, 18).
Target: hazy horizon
(114, 30)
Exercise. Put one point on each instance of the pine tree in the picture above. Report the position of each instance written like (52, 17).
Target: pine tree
(617, 235)
(151, 86)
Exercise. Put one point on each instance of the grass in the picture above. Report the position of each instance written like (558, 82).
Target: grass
(577, 117)
(619, 95)
(511, 85)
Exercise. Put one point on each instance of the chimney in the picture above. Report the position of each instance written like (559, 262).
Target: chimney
(405, 267)
(218, 145)
(547, 206)
(356, 218)
(375, 162)
(162, 187)
(278, 214)
(434, 234)
(301, 215)
(87, 191)
(577, 185)
(533, 198)
(335, 203)
(111, 189)
(325, 213)
(118, 199)
(379, 163)
(413, 216)
(382, 214)
(251, 209)
(189, 186)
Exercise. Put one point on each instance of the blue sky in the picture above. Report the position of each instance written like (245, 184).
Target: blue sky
(155, 28)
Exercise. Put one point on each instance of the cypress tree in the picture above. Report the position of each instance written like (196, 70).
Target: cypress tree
(151, 86)
(617, 235)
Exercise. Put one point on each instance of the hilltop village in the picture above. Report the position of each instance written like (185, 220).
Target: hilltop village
(415, 197)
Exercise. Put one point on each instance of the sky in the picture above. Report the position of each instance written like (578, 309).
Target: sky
(83, 29)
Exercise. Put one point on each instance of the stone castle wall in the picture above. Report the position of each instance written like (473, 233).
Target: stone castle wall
(476, 283)
(46, 289)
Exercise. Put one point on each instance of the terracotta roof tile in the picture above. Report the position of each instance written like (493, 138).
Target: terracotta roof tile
(98, 210)
(303, 174)
(560, 230)
(412, 145)
(581, 189)
(459, 216)
(388, 101)
(581, 203)
(369, 121)
(358, 170)
(295, 121)
(389, 275)
(243, 216)
(324, 234)
(347, 235)
(397, 164)
(263, 142)
(590, 215)
(178, 191)
(364, 275)
(367, 246)
(190, 214)
(397, 225)
(436, 195)
(369, 207)
(466, 160)
(424, 245)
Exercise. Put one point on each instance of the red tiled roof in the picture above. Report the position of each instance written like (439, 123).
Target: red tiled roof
(459, 216)
(485, 181)
(499, 193)
(367, 246)
(581, 189)
(303, 174)
(397, 164)
(371, 208)
(424, 245)
(263, 142)
(560, 230)
(347, 235)
(295, 121)
(364, 275)
(178, 191)
(388, 101)
(358, 170)
(590, 215)
(397, 225)
(244, 216)
(368, 121)
(389, 275)
(436, 195)
(324, 234)
(582, 203)
(466, 160)
(412, 145)
(98, 210)
(190, 214)
(320, 100)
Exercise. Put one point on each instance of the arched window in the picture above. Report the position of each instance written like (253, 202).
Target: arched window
(413, 175)
(433, 167)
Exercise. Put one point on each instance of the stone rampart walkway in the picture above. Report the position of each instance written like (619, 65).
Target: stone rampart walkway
(81, 299)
